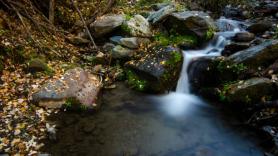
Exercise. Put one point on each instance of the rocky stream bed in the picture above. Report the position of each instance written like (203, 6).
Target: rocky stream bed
(173, 78)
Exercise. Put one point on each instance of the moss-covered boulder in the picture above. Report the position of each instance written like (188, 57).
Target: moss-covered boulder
(198, 24)
(38, 65)
(258, 56)
(251, 91)
(137, 26)
(157, 71)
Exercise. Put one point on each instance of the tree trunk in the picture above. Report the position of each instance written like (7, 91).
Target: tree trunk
(51, 11)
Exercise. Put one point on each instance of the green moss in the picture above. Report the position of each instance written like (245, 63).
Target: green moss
(210, 33)
(125, 28)
(224, 66)
(135, 82)
(180, 7)
(128, 16)
(174, 39)
(74, 104)
(225, 88)
(176, 57)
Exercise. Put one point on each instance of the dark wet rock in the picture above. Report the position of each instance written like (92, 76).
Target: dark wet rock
(272, 69)
(272, 133)
(195, 23)
(244, 37)
(76, 40)
(234, 47)
(202, 74)
(119, 52)
(37, 65)
(260, 55)
(75, 83)
(251, 91)
(106, 24)
(267, 8)
(260, 27)
(233, 12)
(138, 26)
(158, 70)
(161, 14)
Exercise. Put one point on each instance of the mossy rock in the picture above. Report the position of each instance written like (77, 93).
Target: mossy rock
(252, 91)
(194, 23)
(38, 65)
(254, 57)
(157, 71)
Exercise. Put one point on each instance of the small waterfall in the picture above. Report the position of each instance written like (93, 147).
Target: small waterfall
(181, 102)
(228, 29)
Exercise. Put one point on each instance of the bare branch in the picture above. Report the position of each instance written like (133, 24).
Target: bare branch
(85, 25)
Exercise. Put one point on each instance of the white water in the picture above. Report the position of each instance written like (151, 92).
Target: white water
(182, 102)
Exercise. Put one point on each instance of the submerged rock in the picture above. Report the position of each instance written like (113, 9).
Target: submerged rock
(138, 26)
(156, 71)
(75, 83)
(195, 23)
(106, 24)
(260, 55)
(251, 91)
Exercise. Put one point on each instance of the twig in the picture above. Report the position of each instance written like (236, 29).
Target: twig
(84, 23)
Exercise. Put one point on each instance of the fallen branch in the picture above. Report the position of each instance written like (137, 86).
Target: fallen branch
(84, 23)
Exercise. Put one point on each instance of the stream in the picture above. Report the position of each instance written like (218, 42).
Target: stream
(176, 124)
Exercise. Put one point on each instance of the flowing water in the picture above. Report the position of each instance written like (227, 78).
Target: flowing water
(176, 124)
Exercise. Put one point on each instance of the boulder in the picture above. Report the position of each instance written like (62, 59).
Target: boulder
(251, 91)
(119, 52)
(106, 24)
(234, 47)
(244, 37)
(161, 14)
(37, 65)
(195, 23)
(75, 83)
(202, 74)
(272, 69)
(260, 55)
(260, 27)
(158, 70)
(130, 42)
(138, 26)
